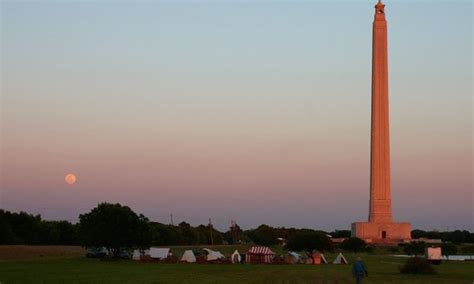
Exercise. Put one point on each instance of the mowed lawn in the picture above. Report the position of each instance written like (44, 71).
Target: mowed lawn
(74, 269)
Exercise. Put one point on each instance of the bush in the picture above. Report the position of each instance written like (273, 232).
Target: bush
(354, 245)
(417, 265)
(393, 250)
(448, 249)
(468, 249)
(415, 248)
(308, 240)
(370, 249)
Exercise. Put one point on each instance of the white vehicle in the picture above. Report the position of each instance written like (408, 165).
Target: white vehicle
(434, 255)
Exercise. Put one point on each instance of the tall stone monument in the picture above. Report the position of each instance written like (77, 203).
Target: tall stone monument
(380, 228)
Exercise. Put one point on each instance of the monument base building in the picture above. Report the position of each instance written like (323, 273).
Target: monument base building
(380, 228)
(381, 232)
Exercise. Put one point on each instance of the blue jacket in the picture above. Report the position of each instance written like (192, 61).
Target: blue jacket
(358, 268)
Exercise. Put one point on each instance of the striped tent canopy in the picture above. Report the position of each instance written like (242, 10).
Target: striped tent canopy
(260, 250)
(259, 255)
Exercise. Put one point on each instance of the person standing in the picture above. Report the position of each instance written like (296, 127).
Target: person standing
(359, 270)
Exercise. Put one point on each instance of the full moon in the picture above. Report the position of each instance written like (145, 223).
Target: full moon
(70, 179)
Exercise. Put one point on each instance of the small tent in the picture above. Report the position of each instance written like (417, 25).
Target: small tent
(136, 255)
(318, 258)
(140, 254)
(213, 255)
(292, 257)
(159, 253)
(235, 257)
(188, 256)
(340, 259)
(258, 254)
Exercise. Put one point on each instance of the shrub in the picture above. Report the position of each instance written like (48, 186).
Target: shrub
(415, 248)
(417, 265)
(308, 241)
(393, 250)
(448, 249)
(354, 245)
(370, 249)
(468, 249)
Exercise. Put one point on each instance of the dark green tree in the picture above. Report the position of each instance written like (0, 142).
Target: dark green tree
(114, 227)
(264, 235)
(354, 245)
(415, 248)
(448, 249)
(309, 240)
(20, 228)
(468, 249)
(6, 234)
(340, 234)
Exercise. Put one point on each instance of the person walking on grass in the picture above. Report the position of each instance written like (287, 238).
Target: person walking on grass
(359, 270)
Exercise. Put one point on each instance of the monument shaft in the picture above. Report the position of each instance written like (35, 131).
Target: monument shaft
(380, 196)
(380, 228)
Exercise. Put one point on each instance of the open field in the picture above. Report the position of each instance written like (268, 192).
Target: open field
(33, 252)
(71, 268)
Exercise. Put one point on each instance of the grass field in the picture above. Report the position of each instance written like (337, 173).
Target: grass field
(70, 268)
(35, 252)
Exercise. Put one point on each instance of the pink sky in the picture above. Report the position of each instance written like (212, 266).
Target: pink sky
(258, 122)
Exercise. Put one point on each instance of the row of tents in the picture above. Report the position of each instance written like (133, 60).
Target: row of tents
(255, 255)
(315, 257)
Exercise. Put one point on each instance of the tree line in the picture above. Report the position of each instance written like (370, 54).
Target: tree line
(116, 226)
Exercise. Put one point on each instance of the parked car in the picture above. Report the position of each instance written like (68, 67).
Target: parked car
(124, 254)
(96, 252)
(434, 255)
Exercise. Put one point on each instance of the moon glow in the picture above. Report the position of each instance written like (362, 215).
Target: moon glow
(70, 179)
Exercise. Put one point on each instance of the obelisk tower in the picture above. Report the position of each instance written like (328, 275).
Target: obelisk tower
(380, 197)
(380, 227)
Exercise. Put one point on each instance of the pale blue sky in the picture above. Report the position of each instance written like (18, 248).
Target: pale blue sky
(268, 99)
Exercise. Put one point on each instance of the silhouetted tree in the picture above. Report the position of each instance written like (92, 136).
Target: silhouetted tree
(264, 235)
(354, 245)
(468, 249)
(114, 227)
(415, 248)
(448, 249)
(309, 240)
(457, 237)
(341, 234)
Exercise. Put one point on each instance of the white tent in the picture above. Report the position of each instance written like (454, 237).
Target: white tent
(159, 253)
(293, 257)
(340, 259)
(235, 257)
(213, 255)
(136, 255)
(188, 256)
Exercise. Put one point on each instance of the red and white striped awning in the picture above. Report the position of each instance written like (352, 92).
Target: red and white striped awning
(260, 250)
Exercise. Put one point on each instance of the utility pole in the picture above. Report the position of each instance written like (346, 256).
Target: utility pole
(233, 229)
(210, 231)
(171, 219)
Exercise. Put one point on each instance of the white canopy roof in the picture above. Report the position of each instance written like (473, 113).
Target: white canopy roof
(188, 256)
(159, 253)
(340, 259)
(213, 255)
